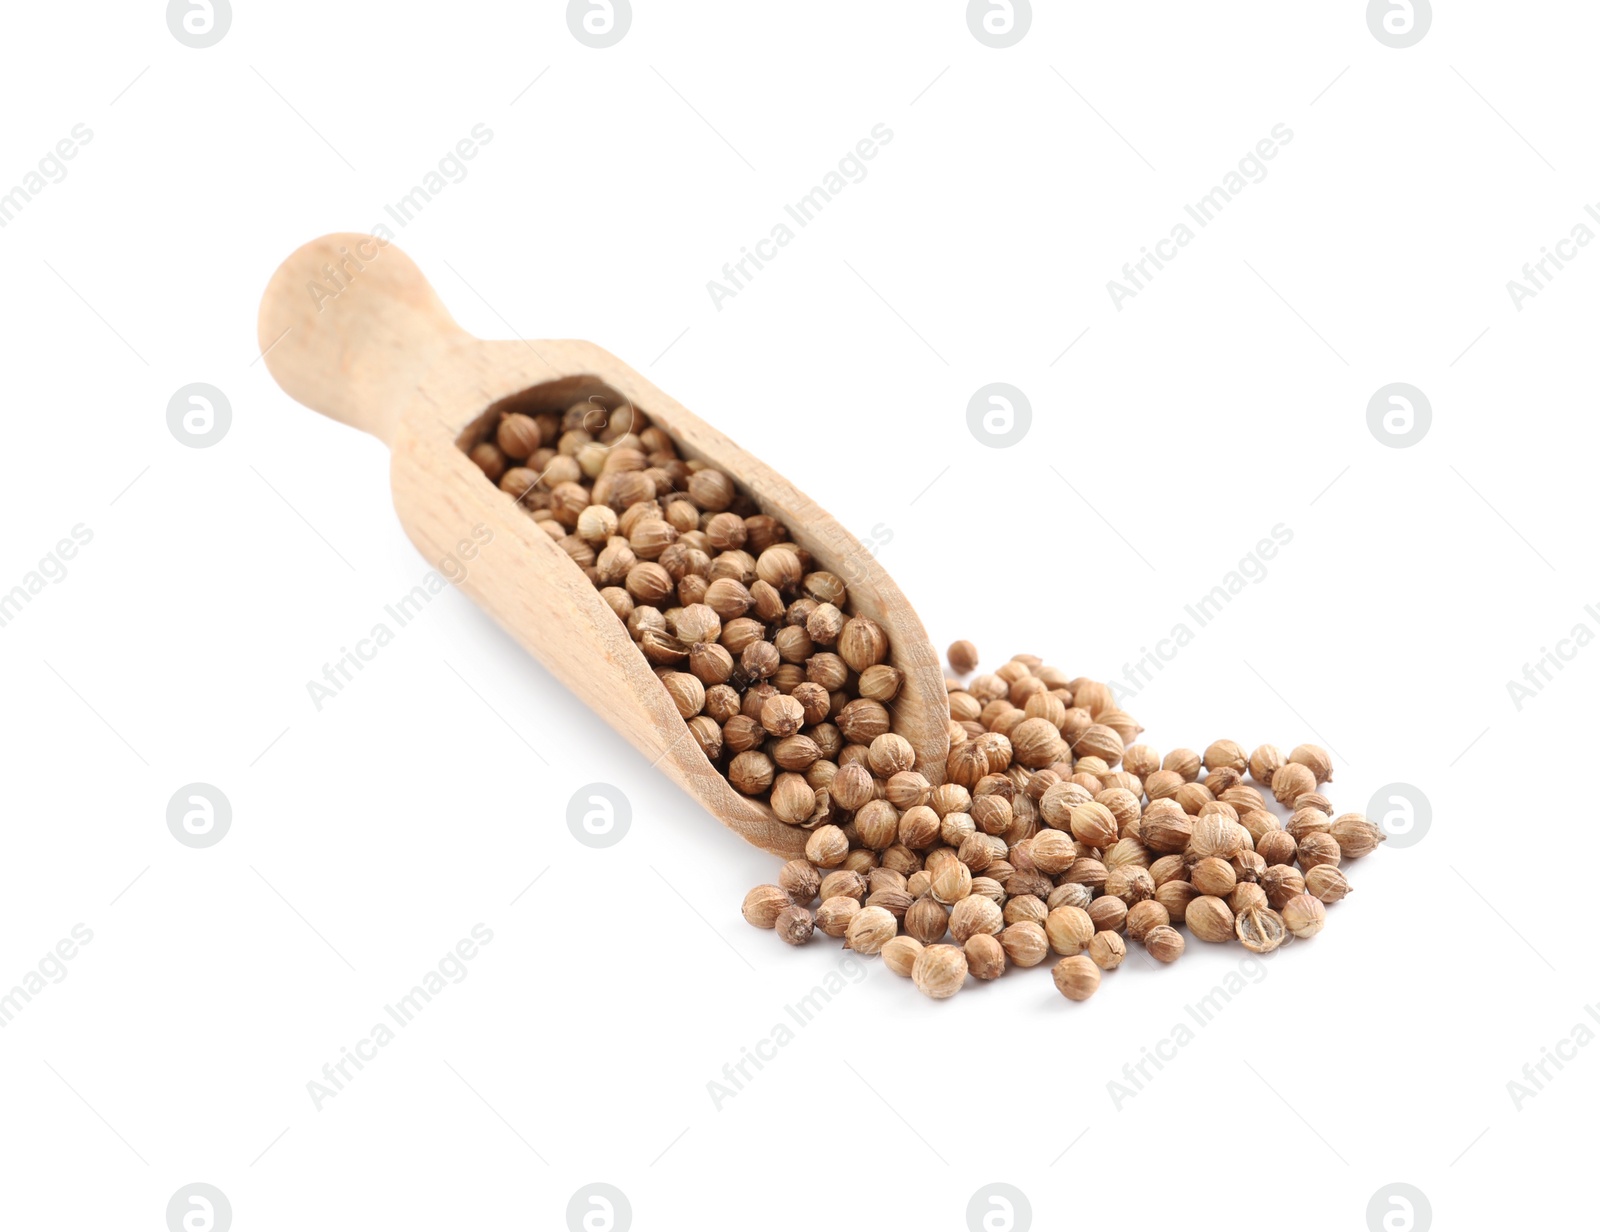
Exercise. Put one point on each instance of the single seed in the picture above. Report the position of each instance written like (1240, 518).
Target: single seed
(986, 958)
(1164, 943)
(870, 929)
(939, 971)
(1076, 977)
(1107, 950)
(1261, 929)
(763, 905)
(1304, 915)
(900, 954)
(795, 925)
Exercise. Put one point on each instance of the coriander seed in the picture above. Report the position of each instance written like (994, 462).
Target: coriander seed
(827, 846)
(1326, 882)
(1164, 943)
(1356, 835)
(870, 929)
(1314, 759)
(1144, 917)
(799, 880)
(1318, 849)
(973, 915)
(1260, 929)
(1069, 930)
(1290, 780)
(763, 905)
(1209, 919)
(939, 971)
(1076, 977)
(1304, 915)
(1107, 950)
(927, 920)
(1025, 943)
(986, 958)
(836, 914)
(794, 924)
(900, 954)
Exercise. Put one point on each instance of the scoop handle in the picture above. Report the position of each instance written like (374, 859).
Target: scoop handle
(349, 327)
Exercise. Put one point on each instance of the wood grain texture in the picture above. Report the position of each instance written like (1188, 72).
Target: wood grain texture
(384, 355)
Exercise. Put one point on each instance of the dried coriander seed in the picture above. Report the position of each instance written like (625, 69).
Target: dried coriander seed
(973, 915)
(900, 954)
(1108, 913)
(1144, 917)
(927, 920)
(1327, 883)
(763, 905)
(827, 847)
(1076, 977)
(1069, 930)
(835, 914)
(939, 971)
(952, 882)
(1226, 753)
(793, 799)
(751, 772)
(1314, 759)
(895, 902)
(1209, 919)
(863, 643)
(1282, 883)
(1164, 943)
(1025, 943)
(794, 924)
(1318, 849)
(1304, 916)
(1176, 896)
(1214, 876)
(1356, 835)
(799, 880)
(986, 958)
(1291, 780)
(1107, 950)
(870, 929)
(1260, 929)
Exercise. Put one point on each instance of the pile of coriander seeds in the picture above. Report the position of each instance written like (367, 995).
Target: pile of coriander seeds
(779, 682)
(1054, 835)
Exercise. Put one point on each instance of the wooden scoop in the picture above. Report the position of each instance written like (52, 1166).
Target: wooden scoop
(351, 328)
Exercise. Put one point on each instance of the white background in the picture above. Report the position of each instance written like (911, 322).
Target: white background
(1227, 398)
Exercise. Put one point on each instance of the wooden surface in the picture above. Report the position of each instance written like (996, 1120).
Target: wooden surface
(384, 355)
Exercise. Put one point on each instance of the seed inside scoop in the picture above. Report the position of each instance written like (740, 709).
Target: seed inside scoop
(780, 682)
